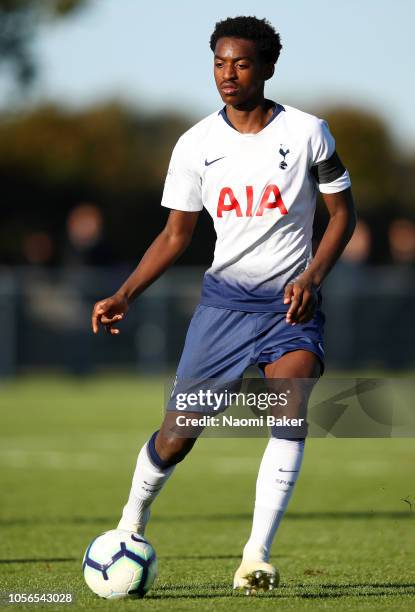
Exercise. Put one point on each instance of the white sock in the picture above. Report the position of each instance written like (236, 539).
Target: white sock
(277, 476)
(148, 480)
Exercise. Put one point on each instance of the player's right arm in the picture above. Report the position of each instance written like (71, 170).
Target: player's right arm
(160, 255)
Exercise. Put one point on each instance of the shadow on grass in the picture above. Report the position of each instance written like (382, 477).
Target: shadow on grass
(223, 589)
(361, 590)
(290, 516)
(49, 560)
(300, 591)
(160, 557)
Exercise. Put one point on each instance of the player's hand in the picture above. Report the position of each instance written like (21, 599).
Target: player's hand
(108, 313)
(301, 294)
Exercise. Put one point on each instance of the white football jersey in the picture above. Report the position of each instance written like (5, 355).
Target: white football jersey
(260, 191)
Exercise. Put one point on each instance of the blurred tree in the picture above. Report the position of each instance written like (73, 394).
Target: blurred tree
(107, 148)
(406, 185)
(116, 158)
(383, 177)
(367, 150)
(19, 23)
(52, 159)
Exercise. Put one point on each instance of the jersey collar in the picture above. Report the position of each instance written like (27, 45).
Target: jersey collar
(278, 108)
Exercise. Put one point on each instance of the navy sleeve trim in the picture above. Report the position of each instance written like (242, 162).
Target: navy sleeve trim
(328, 170)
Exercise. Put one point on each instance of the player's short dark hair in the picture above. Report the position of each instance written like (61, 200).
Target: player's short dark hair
(267, 40)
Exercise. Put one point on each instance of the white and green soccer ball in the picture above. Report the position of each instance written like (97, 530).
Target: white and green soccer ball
(119, 564)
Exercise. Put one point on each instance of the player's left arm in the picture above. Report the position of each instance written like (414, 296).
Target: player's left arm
(302, 293)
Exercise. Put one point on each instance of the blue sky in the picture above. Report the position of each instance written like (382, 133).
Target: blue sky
(156, 55)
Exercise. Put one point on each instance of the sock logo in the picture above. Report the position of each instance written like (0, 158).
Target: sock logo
(291, 471)
(153, 489)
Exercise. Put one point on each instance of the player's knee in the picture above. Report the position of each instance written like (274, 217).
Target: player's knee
(169, 450)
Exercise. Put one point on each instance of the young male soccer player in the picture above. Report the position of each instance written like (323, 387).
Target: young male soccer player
(255, 166)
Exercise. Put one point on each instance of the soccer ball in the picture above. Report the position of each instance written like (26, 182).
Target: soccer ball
(118, 564)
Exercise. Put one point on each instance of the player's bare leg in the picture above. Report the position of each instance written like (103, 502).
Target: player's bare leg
(155, 464)
(274, 492)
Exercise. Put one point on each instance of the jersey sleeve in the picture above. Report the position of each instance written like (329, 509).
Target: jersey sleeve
(326, 167)
(182, 188)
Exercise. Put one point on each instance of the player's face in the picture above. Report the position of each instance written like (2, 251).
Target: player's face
(239, 72)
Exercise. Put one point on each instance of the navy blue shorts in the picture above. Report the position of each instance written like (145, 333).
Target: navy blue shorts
(223, 343)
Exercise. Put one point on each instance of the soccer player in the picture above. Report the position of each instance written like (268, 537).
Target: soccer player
(256, 166)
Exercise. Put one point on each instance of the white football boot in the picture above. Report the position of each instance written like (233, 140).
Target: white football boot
(253, 576)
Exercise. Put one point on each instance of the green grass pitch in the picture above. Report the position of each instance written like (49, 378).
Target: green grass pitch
(67, 453)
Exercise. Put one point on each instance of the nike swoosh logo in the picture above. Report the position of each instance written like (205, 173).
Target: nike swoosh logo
(291, 471)
(213, 161)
